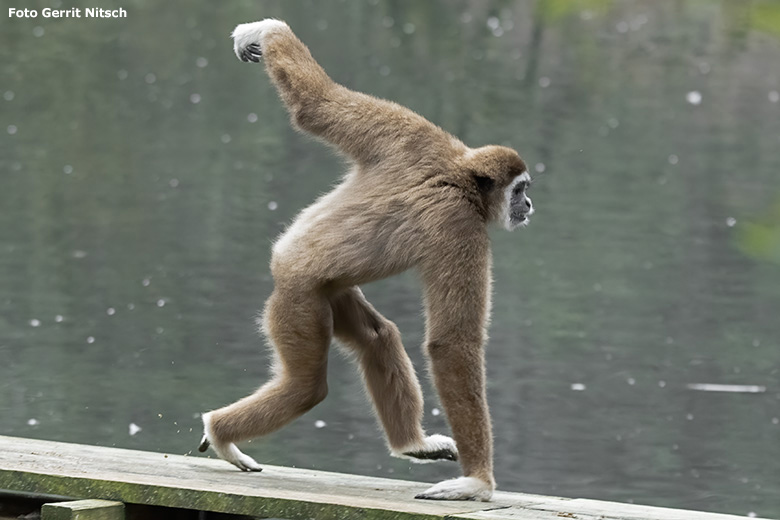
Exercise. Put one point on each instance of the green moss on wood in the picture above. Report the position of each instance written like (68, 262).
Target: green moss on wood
(155, 495)
(84, 510)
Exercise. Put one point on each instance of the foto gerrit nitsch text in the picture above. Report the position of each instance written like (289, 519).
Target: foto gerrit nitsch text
(73, 12)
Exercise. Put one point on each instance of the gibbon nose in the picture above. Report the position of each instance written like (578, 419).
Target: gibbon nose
(529, 206)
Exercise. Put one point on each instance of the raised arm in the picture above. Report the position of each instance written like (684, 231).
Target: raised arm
(365, 128)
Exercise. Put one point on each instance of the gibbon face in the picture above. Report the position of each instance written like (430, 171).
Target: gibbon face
(518, 205)
(503, 179)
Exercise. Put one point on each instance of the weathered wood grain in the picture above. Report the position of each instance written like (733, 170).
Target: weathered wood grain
(84, 510)
(158, 479)
(138, 477)
(583, 509)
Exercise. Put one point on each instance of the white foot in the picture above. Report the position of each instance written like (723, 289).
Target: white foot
(432, 448)
(226, 450)
(248, 37)
(463, 488)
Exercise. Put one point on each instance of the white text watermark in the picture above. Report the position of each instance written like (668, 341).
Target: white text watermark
(73, 12)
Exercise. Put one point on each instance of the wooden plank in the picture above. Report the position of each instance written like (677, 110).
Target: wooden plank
(516, 513)
(584, 509)
(136, 477)
(157, 479)
(635, 512)
(84, 510)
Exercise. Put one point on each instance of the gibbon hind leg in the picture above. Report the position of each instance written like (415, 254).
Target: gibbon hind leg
(299, 326)
(389, 376)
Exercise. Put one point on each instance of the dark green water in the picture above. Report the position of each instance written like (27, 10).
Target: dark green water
(144, 173)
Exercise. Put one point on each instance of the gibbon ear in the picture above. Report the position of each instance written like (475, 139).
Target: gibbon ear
(484, 184)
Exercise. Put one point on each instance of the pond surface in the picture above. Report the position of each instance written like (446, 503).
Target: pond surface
(145, 173)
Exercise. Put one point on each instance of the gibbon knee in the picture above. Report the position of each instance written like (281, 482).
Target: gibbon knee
(387, 331)
(362, 330)
(384, 332)
(377, 344)
(315, 393)
(302, 391)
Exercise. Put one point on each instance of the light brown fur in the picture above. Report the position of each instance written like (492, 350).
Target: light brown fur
(417, 197)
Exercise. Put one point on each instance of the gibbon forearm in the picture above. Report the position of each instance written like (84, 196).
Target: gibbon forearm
(302, 84)
(365, 128)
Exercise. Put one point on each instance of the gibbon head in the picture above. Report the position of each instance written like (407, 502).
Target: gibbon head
(502, 179)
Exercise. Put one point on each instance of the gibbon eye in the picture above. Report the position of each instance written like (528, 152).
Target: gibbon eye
(521, 187)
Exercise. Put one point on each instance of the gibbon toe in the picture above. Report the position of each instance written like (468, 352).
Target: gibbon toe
(233, 455)
(243, 461)
(443, 454)
(225, 450)
(432, 448)
(463, 488)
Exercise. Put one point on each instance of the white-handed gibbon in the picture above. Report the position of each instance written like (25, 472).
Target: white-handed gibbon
(416, 197)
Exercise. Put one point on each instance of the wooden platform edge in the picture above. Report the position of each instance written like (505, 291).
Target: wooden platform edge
(54, 468)
(182, 498)
(89, 509)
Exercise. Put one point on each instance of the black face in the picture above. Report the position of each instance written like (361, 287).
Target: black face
(520, 205)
